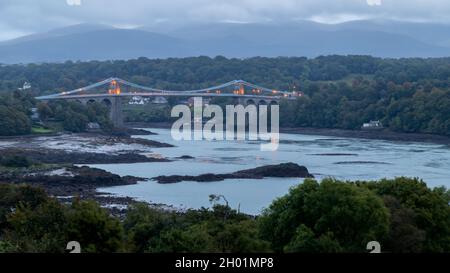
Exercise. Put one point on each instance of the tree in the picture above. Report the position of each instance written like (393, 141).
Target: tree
(143, 225)
(75, 122)
(12, 195)
(39, 229)
(44, 111)
(340, 213)
(238, 237)
(421, 208)
(13, 122)
(305, 240)
(205, 230)
(7, 247)
(194, 239)
(404, 234)
(93, 228)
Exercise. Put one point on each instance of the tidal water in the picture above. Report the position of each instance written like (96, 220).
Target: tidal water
(343, 158)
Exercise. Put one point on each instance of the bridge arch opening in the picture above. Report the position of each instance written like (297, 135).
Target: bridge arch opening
(91, 101)
(262, 102)
(250, 102)
(107, 102)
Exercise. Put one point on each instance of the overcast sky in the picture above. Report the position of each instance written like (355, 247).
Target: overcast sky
(20, 17)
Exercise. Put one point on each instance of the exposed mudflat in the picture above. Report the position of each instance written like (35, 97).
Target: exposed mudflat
(380, 135)
(53, 158)
(83, 149)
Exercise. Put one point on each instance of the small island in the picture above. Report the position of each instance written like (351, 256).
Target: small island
(281, 170)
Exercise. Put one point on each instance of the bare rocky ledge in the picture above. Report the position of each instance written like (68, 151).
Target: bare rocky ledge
(52, 156)
(70, 181)
(281, 170)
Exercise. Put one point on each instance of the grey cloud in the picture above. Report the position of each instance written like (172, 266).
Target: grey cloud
(24, 16)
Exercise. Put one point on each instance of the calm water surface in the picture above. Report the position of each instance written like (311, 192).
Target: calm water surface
(343, 158)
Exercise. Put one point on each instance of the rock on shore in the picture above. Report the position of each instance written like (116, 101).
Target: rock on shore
(53, 156)
(281, 170)
(70, 181)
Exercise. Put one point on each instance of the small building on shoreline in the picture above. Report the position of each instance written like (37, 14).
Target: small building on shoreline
(372, 125)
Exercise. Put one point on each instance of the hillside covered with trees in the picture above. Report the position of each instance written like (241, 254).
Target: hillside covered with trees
(407, 95)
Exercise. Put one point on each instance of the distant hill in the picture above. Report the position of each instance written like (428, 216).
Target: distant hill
(303, 38)
(80, 28)
(103, 44)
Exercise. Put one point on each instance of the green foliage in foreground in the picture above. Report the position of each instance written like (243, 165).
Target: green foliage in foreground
(331, 216)
(39, 223)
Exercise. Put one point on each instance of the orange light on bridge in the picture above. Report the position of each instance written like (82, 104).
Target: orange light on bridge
(218, 91)
(241, 90)
(114, 88)
(274, 91)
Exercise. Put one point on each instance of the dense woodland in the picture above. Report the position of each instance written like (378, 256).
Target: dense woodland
(407, 95)
(15, 112)
(332, 216)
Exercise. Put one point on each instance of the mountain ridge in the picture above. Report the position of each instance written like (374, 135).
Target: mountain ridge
(304, 38)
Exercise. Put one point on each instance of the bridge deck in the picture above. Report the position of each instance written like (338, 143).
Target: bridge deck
(85, 96)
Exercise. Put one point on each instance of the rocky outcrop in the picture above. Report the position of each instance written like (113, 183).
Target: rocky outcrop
(139, 132)
(73, 181)
(51, 156)
(280, 170)
(117, 139)
(185, 157)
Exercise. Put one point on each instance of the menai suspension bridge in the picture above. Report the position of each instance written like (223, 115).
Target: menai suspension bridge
(244, 92)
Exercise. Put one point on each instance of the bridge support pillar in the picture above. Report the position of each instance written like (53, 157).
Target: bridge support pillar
(115, 113)
(82, 101)
(242, 101)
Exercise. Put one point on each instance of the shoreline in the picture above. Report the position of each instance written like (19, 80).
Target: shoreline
(384, 134)
(375, 135)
